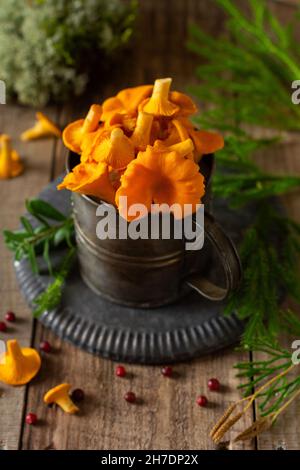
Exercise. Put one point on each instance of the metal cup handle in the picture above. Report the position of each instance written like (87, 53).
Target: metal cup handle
(229, 259)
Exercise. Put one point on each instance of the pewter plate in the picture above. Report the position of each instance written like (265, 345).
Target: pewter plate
(189, 328)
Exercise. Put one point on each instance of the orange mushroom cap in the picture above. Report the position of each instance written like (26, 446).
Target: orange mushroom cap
(185, 103)
(205, 142)
(73, 134)
(163, 178)
(132, 97)
(117, 150)
(19, 365)
(43, 128)
(60, 396)
(91, 179)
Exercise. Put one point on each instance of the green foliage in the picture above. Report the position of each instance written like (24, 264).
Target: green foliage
(51, 297)
(45, 230)
(246, 82)
(275, 368)
(269, 253)
(45, 45)
(255, 61)
(240, 180)
(33, 239)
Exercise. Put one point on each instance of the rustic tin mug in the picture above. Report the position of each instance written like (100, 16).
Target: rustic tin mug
(152, 272)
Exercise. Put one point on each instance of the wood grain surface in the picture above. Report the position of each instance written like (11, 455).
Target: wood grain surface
(166, 415)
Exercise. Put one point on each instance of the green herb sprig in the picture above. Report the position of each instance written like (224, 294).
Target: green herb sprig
(277, 365)
(45, 229)
(38, 234)
(245, 82)
(51, 297)
(270, 271)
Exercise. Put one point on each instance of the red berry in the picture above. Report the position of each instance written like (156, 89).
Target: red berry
(77, 395)
(130, 397)
(45, 346)
(202, 400)
(31, 418)
(3, 326)
(120, 371)
(214, 385)
(10, 316)
(167, 371)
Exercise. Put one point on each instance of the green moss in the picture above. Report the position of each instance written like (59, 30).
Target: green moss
(43, 44)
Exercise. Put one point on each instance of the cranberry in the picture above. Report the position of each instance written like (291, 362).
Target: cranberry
(120, 371)
(167, 371)
(10, 316)
(45, 346)
(77, 395)
(213, 385)
(130, 397)
(3, 326)
(31, 418)
(202, 400)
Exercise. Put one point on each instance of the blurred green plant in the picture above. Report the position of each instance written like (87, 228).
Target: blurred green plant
(246, 82)
(47, 47)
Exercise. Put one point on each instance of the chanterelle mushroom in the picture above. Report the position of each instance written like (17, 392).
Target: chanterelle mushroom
(60, 396)
(159, 103)
(117, 150)
(10, 163)
(19, 366)
(74, 133)
(43, 128)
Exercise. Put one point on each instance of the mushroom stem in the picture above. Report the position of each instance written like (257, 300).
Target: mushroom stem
(67, 405)
(43, 128)
(141, 134)
(182, 131)
(6, 159)
(159, 103)
(161, 88)
(183, 148)
(14, 350)
(92, 119)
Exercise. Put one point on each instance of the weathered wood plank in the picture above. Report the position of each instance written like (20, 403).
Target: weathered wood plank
(37, 158)
(167, 416)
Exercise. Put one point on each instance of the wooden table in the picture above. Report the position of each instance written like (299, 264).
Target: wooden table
(168, 417)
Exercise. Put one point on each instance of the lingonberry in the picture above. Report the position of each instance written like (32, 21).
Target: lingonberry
(213, 385)
(202, 400)
(120, 371)
(31, 418)
(77, 395)
(130, 397)
(45, 346)
(167, 371)
(10, 316)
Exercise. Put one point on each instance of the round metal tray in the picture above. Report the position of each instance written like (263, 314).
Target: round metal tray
(184, 330)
